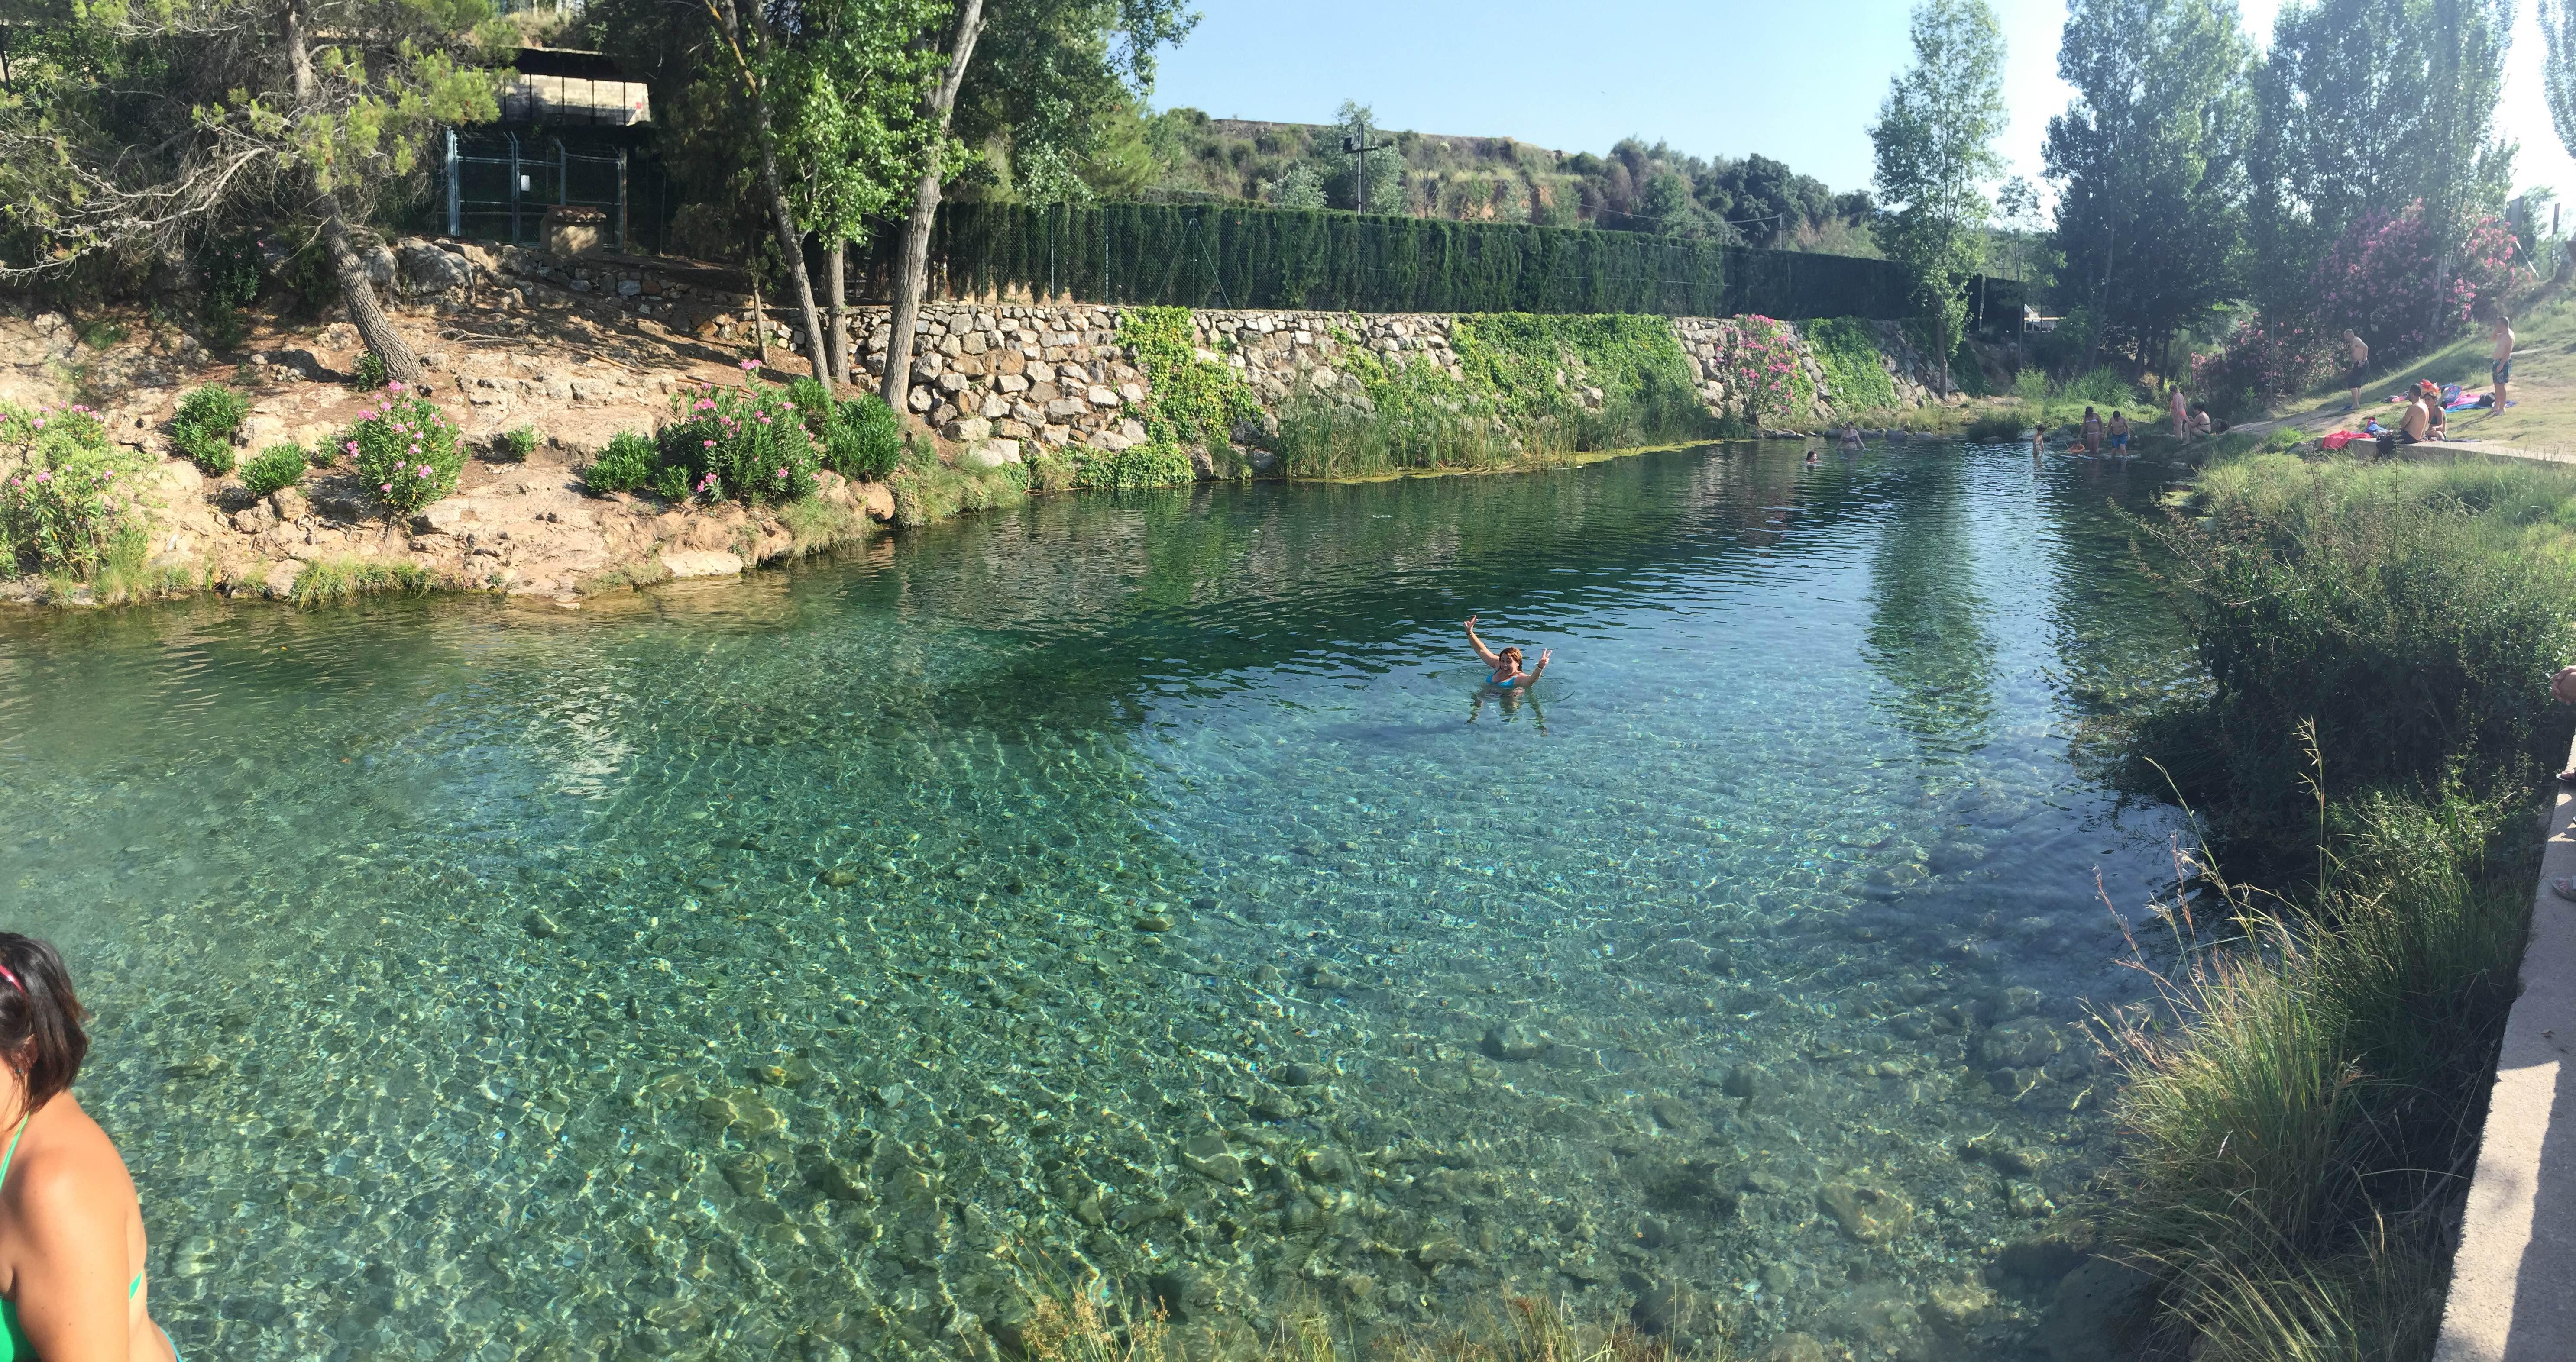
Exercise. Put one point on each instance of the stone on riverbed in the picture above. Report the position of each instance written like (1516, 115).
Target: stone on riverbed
(1870, 1215)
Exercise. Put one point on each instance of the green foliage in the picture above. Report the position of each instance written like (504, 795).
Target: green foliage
(2412, 612)
(228, 281)
(671, 482)
(339, 581)
(1758, 361)
(628, 464)
(1856, 378)
(279, 465)
(813, 404)
(518, 444)
(1520, 396)
(926, 489)
(370, 374)
(1995, 427)
(864, 440)
(2151, 160)
(407, 453)
(1189, 402)
(2299, 1148)
(204, 427)
(1190, 256)
(66, 490)
(1934, 147)
(739, 444)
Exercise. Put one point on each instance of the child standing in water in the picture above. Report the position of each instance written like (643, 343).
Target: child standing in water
(1506, 665)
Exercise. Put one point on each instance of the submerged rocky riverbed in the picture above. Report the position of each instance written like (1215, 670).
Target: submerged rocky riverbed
(830, 963)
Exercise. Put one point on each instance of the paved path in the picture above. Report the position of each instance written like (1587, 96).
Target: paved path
(2513, 1286)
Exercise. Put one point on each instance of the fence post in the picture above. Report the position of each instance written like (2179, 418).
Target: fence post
(455, 203)
(621, 202)
(514, 189)
(563, 173)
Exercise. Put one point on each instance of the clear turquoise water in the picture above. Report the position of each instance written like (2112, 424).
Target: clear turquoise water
(754, 970)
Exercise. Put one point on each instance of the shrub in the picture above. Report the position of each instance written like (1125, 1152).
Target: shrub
(407, 453)
(277, 466)
(67, 492)
(517, 445)
(670, 482)
(626, 465)
(204, 428)
(864, 439)
(2408, 610)
(371, 373)
(1995, 427)
(814, 403)
(740, 444)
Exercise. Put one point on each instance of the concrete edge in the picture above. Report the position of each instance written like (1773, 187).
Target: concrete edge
(2513, 1283)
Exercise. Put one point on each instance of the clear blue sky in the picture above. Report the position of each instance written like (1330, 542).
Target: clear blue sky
(1798, 82)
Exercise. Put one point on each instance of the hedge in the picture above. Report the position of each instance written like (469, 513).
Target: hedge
(1211, 256)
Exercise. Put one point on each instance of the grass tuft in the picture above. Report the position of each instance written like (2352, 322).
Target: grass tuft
(339, 581)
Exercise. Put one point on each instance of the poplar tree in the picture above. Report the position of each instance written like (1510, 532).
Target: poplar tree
(2150, 163)
(1934, 140)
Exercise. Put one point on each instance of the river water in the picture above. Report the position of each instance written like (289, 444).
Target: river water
(821, 965)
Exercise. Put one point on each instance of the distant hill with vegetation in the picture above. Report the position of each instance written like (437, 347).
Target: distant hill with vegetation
(1634, 187)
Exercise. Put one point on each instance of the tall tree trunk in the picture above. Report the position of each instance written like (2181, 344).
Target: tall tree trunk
(791, 242)
(836, 278)
(912, 273)
(356, 289)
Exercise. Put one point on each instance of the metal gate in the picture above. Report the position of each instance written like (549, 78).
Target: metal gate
(500, 185)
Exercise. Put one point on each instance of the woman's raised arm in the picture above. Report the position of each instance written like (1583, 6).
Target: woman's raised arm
(1483, 653)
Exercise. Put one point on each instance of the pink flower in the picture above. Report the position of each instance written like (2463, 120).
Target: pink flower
(424, 470)
(349, 445)
(387, 487)
(749, 365)
(44, 477)
(711, 444)
(394, 386)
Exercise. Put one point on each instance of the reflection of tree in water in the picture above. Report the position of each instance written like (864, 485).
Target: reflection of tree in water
(1926, 633)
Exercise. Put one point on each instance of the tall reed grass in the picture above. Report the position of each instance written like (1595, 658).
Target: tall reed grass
(2303, 1112)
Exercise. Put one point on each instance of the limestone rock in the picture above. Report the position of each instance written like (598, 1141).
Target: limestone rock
(702, 563)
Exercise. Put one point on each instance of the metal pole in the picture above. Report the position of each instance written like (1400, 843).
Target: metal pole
(455, 205)
(514, 189)
(621, 202)
(563, 173)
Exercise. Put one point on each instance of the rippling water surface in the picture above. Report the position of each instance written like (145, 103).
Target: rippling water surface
(819, 965)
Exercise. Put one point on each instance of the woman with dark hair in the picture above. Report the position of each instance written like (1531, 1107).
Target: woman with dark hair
(71, 1230)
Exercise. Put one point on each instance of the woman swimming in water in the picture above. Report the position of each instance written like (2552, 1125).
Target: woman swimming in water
(1507, 663)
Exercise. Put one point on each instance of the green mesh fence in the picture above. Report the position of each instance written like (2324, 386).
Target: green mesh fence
(1213, 256)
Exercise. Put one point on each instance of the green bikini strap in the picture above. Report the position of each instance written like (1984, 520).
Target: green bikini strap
(13, 1145)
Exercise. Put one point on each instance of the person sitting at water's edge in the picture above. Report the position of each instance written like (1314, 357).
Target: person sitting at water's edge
(71, 1229)
(1506, 664)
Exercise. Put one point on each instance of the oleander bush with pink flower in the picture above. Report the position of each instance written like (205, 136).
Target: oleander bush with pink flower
(746, 444)
(67, 492)
(2378, 280)
(406, 451)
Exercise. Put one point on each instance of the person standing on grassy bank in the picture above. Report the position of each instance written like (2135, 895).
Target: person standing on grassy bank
(2181, 417)
(2092, 431)
(2357, 353)
(71, 1228)
(2500, 371)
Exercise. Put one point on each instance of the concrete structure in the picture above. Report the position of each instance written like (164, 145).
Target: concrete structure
(2513, 1286)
